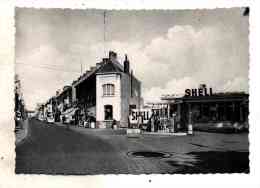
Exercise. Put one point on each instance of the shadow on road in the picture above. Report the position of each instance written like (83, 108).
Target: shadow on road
(214, 162)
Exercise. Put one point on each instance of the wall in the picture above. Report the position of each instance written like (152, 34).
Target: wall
(129, 97)
(136, 93)
(73, 93)
(92, 111)
(125, 98)
(86, 91)
(101, 100)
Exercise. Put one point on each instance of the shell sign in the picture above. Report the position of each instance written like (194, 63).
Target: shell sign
(198, 92)
(140, 116)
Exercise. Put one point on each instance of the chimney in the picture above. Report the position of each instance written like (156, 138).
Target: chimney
(126, 65)
(105, 60)
(112, 56)
(202, 86)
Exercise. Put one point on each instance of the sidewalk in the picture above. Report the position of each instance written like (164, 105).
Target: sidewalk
(165, 133)
(21, 134)
(107, 131)
(84, 130)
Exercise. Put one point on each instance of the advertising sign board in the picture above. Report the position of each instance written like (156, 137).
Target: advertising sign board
(140, 116)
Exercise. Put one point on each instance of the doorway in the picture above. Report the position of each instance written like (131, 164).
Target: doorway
(108, 112)
(108, 109)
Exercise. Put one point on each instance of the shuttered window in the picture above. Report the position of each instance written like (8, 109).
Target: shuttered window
(108, 90)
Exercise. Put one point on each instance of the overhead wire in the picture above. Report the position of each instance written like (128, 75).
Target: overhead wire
(48, 67)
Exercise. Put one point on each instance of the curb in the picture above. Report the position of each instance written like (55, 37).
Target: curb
(26, 133)
(165, 134)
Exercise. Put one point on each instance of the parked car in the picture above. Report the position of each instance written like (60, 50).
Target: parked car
(18, 116)
(40, 117)
(50, 119)
(69, 116)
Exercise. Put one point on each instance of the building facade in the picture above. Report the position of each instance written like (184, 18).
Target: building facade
(218, 110)
(106, 92)
(20, 111)
(117, 91)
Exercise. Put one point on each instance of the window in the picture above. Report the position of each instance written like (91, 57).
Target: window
(131, 107)
(108, 90)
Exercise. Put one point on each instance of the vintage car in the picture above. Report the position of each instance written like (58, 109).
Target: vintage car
(68, 116)
(18, 116)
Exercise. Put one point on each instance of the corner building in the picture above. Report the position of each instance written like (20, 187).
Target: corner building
(108, 91)
(117, 91)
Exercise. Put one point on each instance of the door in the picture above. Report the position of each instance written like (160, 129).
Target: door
(108, 111)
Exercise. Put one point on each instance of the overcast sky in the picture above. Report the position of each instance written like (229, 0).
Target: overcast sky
(168, 50)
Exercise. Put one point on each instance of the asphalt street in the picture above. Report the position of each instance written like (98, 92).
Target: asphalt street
(53, 149)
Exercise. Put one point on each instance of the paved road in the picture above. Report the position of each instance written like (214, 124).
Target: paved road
(52, 149)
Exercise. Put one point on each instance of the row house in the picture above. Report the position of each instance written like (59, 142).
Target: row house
(107, 92)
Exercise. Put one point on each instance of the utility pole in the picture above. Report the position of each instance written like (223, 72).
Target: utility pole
(80, 65)
(104, 19)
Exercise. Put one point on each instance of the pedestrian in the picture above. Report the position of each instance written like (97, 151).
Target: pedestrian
(139, 122)
(114, 124)
(156, 123)
(172, 123)
(63, 118)
(129, 124)
(77, 116)
(151, 124)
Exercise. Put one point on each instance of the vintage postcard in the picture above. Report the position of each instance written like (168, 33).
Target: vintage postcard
(131, 91)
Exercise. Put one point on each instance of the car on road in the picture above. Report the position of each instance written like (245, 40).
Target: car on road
(68, 116)
(50, 119)
(18, 116)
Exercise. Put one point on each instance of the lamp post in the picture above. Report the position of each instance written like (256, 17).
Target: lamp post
(172, 122)
(190, 128)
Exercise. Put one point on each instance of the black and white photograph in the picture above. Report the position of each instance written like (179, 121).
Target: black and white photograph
(100, 91)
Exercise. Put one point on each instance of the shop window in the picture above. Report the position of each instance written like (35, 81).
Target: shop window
(213, 112)
(108, 90)
(131, 107)
(229, 112)
(195, 108)
(108, 112)
(203, 113)
(221, 112)
(237, 112)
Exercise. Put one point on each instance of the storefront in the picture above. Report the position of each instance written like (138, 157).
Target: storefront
(154, 118)
(226, 110)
